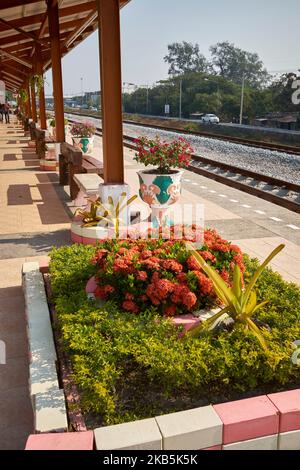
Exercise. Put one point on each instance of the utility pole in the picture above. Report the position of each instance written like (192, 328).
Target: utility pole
(242, 99)
(180, 98)
(135, 98)
(81, 91)
(147, 103)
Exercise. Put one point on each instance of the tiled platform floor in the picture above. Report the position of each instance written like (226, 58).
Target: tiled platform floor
(30, 206)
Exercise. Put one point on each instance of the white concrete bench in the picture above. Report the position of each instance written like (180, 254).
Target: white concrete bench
(88, 184)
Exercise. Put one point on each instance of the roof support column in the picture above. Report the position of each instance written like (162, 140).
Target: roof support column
(28, 104)
(33, 102)
(111, 90)
(42, 103)
(53, 20)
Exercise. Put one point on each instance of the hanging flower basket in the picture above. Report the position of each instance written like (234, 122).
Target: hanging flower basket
(23, 95)
(37, 81)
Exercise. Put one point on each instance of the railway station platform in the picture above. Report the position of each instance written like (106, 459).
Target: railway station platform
(36, 214)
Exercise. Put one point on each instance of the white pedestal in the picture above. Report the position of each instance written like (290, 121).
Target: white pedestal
(57, 151)
(115, 191)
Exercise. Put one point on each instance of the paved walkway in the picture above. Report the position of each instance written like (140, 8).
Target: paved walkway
(33, 218)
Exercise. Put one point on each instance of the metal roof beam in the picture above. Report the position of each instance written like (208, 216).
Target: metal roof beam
(12, 68)
(63, 12)
(15, 3)
(18, 47)
(12, 83)
(16, 59)
(19, 30)
(12, 39)
(84, 24)
(12, 77)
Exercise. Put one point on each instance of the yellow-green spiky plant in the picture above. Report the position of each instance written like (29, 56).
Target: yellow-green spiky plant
(239, 304)
(111, 213)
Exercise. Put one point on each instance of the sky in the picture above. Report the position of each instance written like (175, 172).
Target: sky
(268, 27)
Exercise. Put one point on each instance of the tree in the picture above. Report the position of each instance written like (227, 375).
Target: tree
(282, 92)
(232, 63)
(185, 57)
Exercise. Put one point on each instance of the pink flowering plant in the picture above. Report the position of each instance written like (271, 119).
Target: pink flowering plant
(163, 155)
(138, 274)
(83, 129)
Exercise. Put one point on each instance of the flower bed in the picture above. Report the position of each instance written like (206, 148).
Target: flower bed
(138, 274)
(130, 366)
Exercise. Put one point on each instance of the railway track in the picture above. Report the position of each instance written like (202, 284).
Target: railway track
(280, 192)
(236, 140)
(291, 149)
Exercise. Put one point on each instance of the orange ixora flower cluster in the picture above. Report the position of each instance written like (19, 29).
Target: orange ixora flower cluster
(137, 274)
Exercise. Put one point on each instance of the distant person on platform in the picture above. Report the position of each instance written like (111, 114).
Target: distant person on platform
(6, 112)
(1, 111)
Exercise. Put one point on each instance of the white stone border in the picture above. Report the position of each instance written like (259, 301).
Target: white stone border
(48, 400)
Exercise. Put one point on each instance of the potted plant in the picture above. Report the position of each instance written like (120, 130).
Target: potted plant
(23, 95)
(160, 187)
(83, 134)
(37, 81)
(52, 126)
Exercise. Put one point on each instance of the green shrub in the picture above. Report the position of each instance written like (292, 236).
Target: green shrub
(192, 127)
(134, 366)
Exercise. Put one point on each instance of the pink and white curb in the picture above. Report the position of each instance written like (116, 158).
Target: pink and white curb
(266, 422)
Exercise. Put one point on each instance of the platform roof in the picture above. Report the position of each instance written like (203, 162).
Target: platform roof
(24, 24)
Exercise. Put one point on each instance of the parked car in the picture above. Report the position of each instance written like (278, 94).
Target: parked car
(210, 119)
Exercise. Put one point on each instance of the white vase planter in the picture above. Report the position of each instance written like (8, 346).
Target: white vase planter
(85, 144)
(160, 191)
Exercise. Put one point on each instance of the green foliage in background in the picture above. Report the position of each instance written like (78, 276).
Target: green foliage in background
(214, 85)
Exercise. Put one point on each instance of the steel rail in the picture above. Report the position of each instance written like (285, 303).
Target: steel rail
(256, 178)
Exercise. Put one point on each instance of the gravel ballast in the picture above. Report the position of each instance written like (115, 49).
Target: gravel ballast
(280, 165)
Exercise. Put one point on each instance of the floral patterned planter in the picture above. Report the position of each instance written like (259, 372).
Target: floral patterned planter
(160, 190)
(86, 144)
